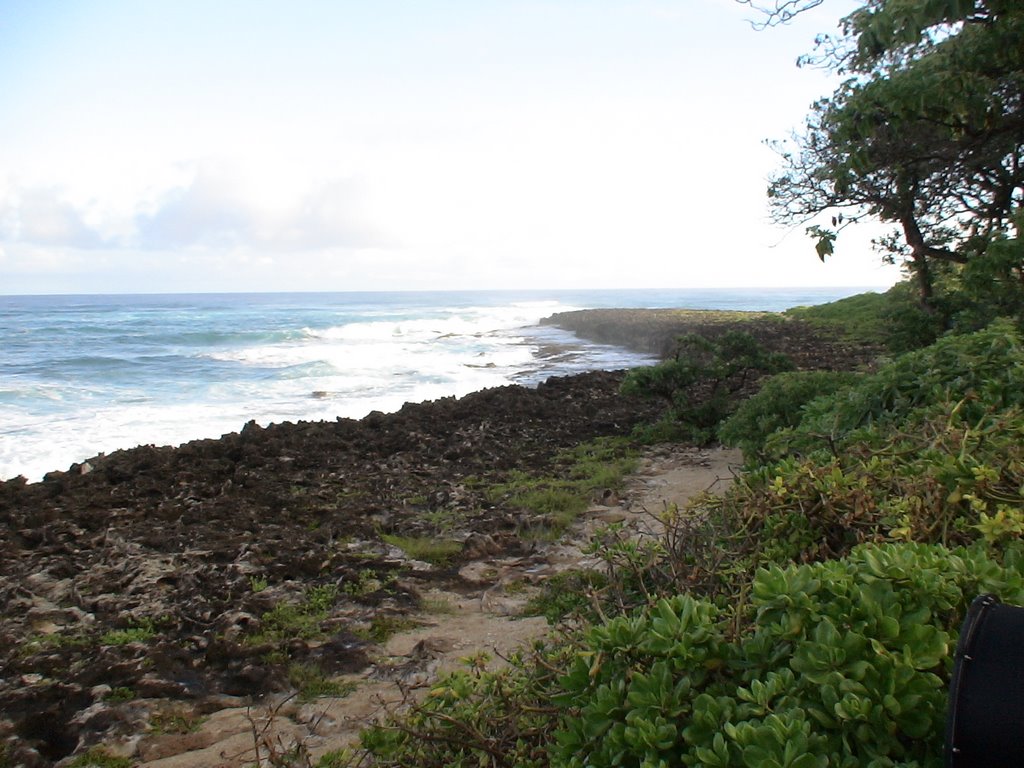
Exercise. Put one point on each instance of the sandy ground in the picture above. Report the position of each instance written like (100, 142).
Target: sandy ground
(458, 626)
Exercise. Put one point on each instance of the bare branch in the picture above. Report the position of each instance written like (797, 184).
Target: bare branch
(780, 12)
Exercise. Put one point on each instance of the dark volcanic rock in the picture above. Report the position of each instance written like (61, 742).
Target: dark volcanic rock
(148, 571)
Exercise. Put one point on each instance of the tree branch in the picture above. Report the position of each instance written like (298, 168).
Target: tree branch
(780, 12)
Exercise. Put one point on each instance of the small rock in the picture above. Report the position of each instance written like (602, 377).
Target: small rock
(100, 691)
(96, 717)
(611, 516)
(152, 687)
(235, 624)
(480, 545)
(479, 573)
(161, 746)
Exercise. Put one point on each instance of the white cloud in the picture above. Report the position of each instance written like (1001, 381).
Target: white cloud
(209, 210)
(223, 206)
(218, 207)
(342, 146)
(43, 216)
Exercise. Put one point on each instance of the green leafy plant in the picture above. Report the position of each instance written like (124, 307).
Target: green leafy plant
(141, 632)
(777, 405)
(566, 594)
(841, 663)
(296, 620)
(700, 385)
(120, 694)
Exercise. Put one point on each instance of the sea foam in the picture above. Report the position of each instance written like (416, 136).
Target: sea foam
(80, 375)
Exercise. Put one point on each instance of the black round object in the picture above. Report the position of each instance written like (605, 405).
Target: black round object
(985, 724)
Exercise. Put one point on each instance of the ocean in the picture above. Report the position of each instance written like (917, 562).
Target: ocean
(83, 375)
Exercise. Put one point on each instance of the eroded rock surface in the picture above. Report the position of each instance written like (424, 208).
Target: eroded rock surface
(149, 574)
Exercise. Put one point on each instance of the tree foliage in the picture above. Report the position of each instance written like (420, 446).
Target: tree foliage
(926, 133)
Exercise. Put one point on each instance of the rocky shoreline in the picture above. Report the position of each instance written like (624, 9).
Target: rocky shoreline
(655, 331)
(163, 573)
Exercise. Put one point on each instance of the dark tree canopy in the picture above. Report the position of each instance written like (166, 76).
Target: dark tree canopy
(926, 133)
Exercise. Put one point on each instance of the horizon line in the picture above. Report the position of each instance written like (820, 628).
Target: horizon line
(864, 287)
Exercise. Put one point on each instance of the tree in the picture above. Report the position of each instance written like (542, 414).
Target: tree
(925, 133)
(781, 12)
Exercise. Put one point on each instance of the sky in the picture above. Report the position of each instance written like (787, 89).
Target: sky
(248, 145)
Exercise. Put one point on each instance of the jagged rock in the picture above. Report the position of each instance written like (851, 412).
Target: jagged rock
(234, 624)
(480, 545)
(152, 574)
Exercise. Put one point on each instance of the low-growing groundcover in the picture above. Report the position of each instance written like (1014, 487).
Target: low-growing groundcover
(846, 664)
(930, 448)
(874, 515)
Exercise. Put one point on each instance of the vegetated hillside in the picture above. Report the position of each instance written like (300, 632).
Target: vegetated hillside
(657, 331)
(806, 619)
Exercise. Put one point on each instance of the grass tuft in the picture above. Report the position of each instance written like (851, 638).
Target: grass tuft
(425, 548)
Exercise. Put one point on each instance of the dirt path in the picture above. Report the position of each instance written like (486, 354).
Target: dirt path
(481, 619)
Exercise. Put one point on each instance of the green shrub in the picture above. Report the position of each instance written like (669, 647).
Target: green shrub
(701, 383)
(566, 594)
(779, 404)
(982, 372)
(910, 326)
(929, 449)
(990, 285)
(842, 661)
(288, 621)
(894, 320)
(844, 664)
(472, 717)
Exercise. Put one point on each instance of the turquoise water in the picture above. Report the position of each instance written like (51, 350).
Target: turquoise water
(81, 375)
